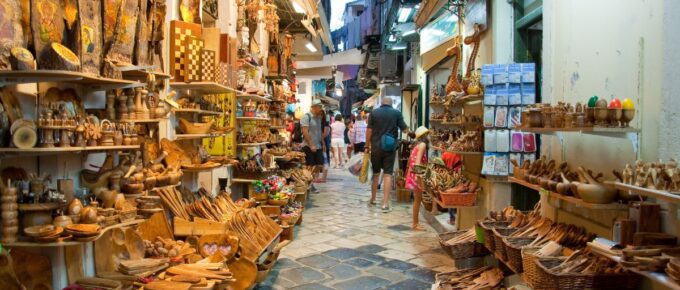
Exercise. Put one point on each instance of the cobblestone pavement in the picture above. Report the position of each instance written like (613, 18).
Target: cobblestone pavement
(344, 244)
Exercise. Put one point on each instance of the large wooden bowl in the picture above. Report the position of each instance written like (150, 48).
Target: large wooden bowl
(187, 127)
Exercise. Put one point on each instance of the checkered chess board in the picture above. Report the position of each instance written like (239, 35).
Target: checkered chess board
(208, 67)
(179, 33)
(192, 59)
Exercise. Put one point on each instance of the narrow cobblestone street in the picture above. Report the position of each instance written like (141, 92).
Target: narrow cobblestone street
(344, 244)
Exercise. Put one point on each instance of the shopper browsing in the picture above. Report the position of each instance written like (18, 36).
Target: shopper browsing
(383, 128)
(358, 136)
(338, 141)
(312, 126)
(418, 157)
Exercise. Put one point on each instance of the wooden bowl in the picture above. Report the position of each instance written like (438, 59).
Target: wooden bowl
(162, 180)
(132, 188)
(149, 182)
(41, 231)
(187, 127)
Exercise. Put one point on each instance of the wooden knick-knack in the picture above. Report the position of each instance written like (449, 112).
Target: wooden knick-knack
(110, 105)
(131, 105)
(143, 109)
(122, 109)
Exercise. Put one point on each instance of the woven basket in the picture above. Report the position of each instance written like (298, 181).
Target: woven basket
(461, 250)
(549, 280)
(529, 266)
(513, 250)
(499, 246)
(278, 202)
(488, 227)
(458, 199)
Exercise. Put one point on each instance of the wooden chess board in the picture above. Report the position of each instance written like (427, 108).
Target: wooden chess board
(192, 59)
(179, 32)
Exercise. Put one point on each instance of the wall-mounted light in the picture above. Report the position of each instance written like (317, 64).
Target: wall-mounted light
(297, 7)
(310, 46)
(404, 14)
(392, 38)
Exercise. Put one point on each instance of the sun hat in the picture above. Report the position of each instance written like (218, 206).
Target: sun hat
(422, 130)
(316, 102)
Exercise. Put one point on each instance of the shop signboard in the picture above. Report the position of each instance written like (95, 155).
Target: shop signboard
(438, 31)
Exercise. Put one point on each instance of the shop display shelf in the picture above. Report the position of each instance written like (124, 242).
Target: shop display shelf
(462, 123)
(659, 277)
(244, 96)
(57, 150)
(243, 180)
(70, 243)
(39, 206)
(583, 130)
(204, 87)
(458, 152)
(196, 136)
(142, 120)
(262, 256)
(580, 203)
(194, 170)
(524, 183)
(252, 119)
(655, 193)
(62, 76)
(141, 71)
(278, 77)
(468, 99)
(252, 144)
(198, 111)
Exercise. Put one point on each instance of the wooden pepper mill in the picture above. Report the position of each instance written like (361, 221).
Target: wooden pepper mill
(10, 213)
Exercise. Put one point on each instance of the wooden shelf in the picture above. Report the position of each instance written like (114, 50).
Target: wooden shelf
(458, 152)
(204, 87)
(636, 190)
(659, 277)
(462, 123)
(141, 120)
(252, 119)
(62, 76)
(584, 130)
(264, 253)
(243, 96)
(242, 180)
(524, 183)
(56, 150)
(468, 98)
(39, 206)
(198, 111)
(196, 136)
(188, 170)
(141, 72)
(580, 203)
(251, 144)
(70, 243)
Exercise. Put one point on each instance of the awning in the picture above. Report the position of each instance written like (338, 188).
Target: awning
(428, 8)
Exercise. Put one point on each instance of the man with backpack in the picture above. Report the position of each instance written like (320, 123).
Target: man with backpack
(382, 141)
(311, 126)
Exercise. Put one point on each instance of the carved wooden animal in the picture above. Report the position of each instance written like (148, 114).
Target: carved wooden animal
(473, 40)
(453, 85)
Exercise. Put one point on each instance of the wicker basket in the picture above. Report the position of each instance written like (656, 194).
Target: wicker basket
(550, 280)
(461, 250)
(458, 199)
(488, 227)
(513, 250)
(499, 246)
(529, 266)
(427, 202)
(279, 202)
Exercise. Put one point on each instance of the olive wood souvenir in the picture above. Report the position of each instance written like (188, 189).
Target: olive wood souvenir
(99, 283)
(157, 16)
(34, 271)
(141, 47)
(11, 31)
(190, 11)
(90, 36)
(111, 18)
(83, 229)
(180, 32)
(47, 25)
(41, 231)
(244, 272)
(124, 33)
(176, 156)
(155, 226)
(226, 244)
(452, 85)
(22, 59)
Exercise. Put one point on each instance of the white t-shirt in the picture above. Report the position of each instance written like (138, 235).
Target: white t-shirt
(338, 130)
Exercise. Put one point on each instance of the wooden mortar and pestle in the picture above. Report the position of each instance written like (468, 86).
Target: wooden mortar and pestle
(592, 191)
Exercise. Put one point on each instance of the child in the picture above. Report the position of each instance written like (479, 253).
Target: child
(418, 157)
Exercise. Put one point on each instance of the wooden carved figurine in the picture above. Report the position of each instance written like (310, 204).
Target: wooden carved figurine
(473, 40)
(12, 32)
(628, 174)
(453, 86)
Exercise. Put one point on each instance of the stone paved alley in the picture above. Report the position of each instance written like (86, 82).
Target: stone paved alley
(344, 244)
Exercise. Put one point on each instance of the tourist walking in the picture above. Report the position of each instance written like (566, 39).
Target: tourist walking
(358, 136)
(338, 141)
(418, 157)
(382, 142)
(312, 131)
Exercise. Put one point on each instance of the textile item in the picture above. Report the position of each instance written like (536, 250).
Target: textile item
(208, 69)
(452, 160)
(338, 130)
(179, 32)
(381, 160)
(359, 132)
(315, 129)
(192, 59)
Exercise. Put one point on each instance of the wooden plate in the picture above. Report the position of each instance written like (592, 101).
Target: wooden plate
(83, 228)
(42, 231)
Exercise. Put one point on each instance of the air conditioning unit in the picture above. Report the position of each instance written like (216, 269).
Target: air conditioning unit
(388, 67)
